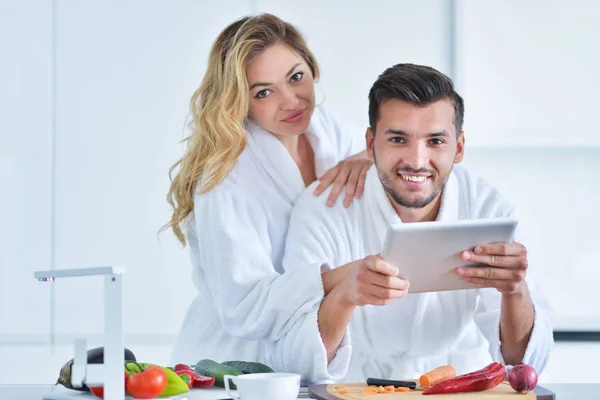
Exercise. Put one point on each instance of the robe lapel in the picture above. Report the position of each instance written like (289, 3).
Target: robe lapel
(276, 161)
(381, 212)
(450, 200)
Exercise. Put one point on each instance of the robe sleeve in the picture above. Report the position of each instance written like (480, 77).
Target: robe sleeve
(252, 299)
(487, 316)
(313, 239)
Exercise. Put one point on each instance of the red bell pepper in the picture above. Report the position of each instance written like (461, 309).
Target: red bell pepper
(199, 380)
(187, 377)
(202, 381)
(182, 367)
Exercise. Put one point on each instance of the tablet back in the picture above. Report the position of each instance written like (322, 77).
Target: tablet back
(427, 253)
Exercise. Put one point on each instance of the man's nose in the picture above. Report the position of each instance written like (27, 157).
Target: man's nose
(417, 155)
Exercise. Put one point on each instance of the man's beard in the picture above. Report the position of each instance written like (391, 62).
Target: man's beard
(403, 201)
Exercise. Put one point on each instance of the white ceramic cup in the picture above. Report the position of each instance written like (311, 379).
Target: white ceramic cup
(267, 386)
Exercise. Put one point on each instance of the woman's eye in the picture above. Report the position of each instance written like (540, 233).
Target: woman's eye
(263, 93)
(297, 77)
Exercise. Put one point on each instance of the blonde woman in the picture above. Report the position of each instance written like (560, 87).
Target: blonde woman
(258, 141)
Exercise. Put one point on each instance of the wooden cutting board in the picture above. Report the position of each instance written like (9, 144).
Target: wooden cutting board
(355, 390)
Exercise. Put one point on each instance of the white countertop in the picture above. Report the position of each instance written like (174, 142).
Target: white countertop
(50, 392)
(564, 391)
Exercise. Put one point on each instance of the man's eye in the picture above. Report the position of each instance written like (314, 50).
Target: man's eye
(297, 77)
(262, 94)
(437, 141)
(397, 140)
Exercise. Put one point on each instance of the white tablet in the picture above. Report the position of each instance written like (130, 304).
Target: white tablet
(428, 253)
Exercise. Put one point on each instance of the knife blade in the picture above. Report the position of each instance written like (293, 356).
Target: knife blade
(389, 382)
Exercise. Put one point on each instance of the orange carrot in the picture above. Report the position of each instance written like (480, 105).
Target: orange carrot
(403, 389)
(343, 391)
(369, 390)
(380, 389)
(390, 388)
(440, 374)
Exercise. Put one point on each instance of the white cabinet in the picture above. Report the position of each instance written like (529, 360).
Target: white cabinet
(356, 41)
(25, 169)
(528, 71)
(126, 72)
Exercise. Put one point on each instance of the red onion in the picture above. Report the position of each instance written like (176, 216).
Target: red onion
(522, 378)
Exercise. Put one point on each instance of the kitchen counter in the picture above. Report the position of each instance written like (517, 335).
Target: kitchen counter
(564, 391)
(51, 392)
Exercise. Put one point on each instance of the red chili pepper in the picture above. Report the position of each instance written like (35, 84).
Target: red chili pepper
(490, 367)
(484, 379)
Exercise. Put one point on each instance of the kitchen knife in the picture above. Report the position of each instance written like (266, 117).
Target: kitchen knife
(388, 382)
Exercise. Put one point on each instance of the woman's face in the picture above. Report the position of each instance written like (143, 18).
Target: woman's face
(282, 95)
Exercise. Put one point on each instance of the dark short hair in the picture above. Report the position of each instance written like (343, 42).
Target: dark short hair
(415, 84)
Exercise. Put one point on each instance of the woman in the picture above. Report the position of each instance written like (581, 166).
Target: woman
(258, 142)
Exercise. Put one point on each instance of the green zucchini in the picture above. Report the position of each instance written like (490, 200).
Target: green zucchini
(248, 367)
(212, 368)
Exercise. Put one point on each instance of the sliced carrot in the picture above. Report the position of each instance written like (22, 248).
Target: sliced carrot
(390, 388)
(403, 389)
(369, 391)
(380, 389)
(438, 375)
(343, 391)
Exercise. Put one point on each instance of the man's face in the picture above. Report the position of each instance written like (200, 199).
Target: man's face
(414, 149)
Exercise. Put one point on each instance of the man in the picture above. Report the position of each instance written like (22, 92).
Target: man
(416, 139)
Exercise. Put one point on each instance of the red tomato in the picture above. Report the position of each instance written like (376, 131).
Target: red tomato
(147, 384)
(98, 391)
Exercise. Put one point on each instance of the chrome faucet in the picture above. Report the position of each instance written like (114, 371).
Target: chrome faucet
(110, 373)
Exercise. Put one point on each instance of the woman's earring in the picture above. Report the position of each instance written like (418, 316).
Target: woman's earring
(319, 94)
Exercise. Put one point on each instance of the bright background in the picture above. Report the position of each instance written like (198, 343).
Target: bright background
(94, 101)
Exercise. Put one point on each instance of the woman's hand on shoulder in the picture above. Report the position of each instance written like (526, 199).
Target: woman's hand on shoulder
(352, 173)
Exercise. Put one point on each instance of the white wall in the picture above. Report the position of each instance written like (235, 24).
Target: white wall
(93, 103)
(25, 164)
(528, 71)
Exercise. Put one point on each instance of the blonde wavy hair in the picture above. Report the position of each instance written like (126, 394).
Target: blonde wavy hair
(219, 109)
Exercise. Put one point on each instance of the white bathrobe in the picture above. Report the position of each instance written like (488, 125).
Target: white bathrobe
(237, 239)
(419, 332)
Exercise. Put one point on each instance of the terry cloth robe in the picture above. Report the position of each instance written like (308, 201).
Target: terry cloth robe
(236, 239)
(421, 331)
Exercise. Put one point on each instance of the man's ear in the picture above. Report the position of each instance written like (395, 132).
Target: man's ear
(460, 148)
(370, 138)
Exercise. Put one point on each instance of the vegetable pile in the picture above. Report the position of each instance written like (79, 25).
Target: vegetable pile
(145, 380)
(443, 379)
